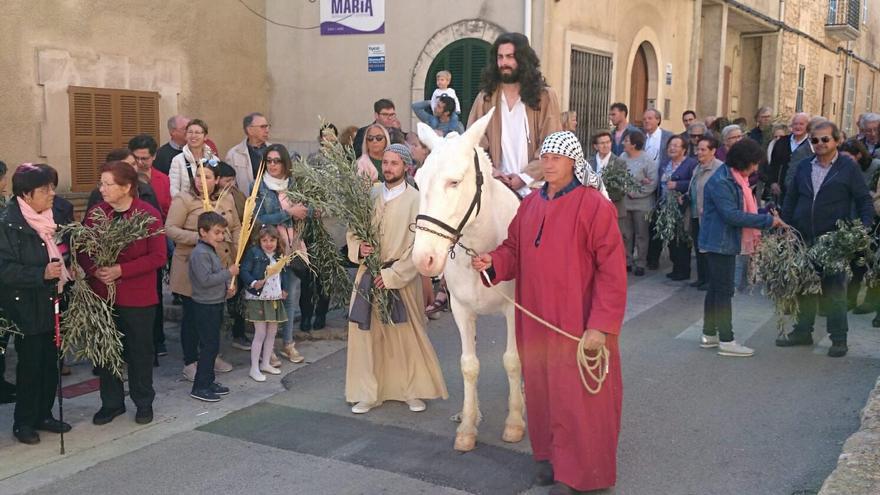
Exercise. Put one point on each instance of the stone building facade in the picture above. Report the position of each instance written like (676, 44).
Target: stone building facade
(221, 60)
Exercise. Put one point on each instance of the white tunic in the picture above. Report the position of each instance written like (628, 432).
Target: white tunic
(514, 141)
(389, 194)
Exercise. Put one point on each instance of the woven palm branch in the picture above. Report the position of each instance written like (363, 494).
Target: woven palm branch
(88, 327)
(669, 219)
(338, 190)
(782, 264)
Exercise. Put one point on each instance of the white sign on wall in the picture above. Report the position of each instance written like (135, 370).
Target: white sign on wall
(352, 17)
(376, 58)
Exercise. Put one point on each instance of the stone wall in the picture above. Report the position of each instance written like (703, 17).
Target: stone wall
(206, 59)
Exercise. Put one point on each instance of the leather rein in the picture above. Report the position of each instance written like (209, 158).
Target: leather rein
(453, 234)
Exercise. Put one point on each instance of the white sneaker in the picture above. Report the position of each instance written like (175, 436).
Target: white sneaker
(257, 376)
(270, 369)
(733, 349)
(363, 407)
(416, 405)
(189, 372)
(708, 341)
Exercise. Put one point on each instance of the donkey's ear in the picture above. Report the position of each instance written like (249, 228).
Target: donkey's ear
(474, 133)
(427, 135)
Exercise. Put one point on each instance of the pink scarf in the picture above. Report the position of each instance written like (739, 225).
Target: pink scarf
(750, 236)
(44, 224)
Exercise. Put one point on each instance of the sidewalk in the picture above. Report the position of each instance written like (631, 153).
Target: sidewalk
(858, 467)
(24, 468)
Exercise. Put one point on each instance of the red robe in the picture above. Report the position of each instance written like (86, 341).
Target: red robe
(575, 278)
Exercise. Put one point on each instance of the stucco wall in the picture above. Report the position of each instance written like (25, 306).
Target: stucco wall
(205, 58)
(312, 75)
(619, 28)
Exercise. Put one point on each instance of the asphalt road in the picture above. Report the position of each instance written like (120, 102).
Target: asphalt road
(693, 422)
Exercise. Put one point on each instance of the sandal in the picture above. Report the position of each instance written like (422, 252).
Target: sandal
(441, 303)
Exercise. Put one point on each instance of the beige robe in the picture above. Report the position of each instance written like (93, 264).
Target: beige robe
(393, 362)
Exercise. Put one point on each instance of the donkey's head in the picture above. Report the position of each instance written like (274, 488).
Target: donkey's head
(447, 185)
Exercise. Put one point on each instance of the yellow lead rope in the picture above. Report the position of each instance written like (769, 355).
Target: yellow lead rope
(594, 366)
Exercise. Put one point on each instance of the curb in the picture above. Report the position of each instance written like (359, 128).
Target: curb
(858, 467)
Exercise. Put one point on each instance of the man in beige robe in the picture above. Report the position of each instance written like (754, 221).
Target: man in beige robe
(526, 112)
(392, 361)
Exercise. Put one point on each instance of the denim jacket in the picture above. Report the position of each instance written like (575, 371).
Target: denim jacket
(253, 268)
(723, 216)
(421, 110)
(269, 208)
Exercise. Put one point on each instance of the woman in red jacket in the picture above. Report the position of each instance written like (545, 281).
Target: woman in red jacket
(135, 277)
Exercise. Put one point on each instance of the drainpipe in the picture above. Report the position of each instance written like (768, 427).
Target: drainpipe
(527, 16)
(843, 96)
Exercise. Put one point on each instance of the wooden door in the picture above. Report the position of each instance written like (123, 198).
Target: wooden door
(638, 93)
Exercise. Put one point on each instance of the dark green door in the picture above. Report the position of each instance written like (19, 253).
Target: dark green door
(465, 59)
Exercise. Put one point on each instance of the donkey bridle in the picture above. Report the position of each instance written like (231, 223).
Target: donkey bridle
(453, 234)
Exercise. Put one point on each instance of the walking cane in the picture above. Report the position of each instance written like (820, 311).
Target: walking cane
(60, 356)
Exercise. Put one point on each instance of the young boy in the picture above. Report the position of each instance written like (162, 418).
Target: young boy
(444, 79)
(210, 289)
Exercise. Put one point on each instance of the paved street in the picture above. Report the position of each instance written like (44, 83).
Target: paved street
(694, 423)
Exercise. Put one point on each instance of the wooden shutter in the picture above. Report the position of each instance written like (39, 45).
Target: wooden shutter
(465, 59)
(103, 119)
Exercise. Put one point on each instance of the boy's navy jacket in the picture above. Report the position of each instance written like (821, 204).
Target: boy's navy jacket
(253, 268)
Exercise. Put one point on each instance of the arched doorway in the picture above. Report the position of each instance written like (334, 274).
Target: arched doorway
(475, 32)
(638, 88)
(465, 59)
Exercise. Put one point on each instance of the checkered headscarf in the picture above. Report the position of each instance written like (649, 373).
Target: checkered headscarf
(565, 143)
(403, 151)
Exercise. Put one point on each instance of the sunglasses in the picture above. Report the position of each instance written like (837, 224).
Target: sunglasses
(824, 139)
(274, 160)
(375, 138)
(695, 136)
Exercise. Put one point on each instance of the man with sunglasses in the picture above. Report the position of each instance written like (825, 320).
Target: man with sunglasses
(823, 191)
(245, 157)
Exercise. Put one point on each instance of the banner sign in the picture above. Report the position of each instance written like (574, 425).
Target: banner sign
(352, 17)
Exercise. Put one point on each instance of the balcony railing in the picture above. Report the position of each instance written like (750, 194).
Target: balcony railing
(843, 19)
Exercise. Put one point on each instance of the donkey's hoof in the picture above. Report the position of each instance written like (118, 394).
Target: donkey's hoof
(513, 433)
(465, 442)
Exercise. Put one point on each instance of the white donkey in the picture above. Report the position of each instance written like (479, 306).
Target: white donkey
(461, 202)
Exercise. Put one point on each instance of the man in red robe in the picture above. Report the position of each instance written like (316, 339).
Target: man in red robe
(565, 251)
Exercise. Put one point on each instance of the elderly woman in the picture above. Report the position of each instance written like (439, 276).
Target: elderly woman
(276, 209)
(854, 149)
(31, 275)
(634, 225)
(134, 275)
(675, 175)
(730, 226)
(194, 152)
(707, 164)
(182, 229)
(730, 135)
(376, 139)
